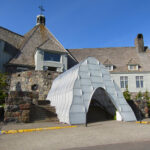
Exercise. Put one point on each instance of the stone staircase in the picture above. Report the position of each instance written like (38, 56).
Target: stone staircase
(43, 112)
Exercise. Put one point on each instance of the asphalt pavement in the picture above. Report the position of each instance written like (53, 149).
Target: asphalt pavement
(120, 146)
(101, 135)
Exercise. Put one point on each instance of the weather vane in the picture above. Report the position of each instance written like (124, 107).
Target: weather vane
(41, 8)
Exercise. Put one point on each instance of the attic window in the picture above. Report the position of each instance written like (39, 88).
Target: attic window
(109, 67)
(133, 67)
(51, 57)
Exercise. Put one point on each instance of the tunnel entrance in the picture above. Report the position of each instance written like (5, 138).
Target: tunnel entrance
(101, 108)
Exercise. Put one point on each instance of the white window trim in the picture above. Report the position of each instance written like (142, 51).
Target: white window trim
(109, 67)
(140, 80)
(133, 67)
(124, 80)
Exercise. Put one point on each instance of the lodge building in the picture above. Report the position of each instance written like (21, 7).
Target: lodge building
(39, 50)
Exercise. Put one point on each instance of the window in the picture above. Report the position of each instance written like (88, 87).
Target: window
(133, 67)
(139, 81)
(124, 81)
(109, 67)
(51, 57)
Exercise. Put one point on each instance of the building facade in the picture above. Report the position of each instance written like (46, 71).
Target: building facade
(129, 66)
(39, 50)
(36, 50)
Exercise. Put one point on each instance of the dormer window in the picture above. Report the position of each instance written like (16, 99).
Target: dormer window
(109, 67)
(51, 57)
(108, 64)
(133, 65)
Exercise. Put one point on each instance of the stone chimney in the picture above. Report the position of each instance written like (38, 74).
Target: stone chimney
(139, 43)
(40, 20)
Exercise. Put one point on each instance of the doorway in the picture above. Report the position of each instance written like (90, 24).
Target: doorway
(101, 108)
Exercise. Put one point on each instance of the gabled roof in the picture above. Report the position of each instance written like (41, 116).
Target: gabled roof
(39, 36)
(49, 45)
(133, 62)
(107, 62)
(10, 37)
(120, 56)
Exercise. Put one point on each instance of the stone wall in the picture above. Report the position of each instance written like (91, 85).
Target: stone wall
(140, 108)
(18, 106)
(33, 81)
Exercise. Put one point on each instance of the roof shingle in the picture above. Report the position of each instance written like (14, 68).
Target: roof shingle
(40, 37)
(118, 56)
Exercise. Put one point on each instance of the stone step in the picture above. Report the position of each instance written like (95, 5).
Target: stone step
(43, 102)
(44, 112)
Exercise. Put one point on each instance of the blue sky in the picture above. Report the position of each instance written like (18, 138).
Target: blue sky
(82, 23)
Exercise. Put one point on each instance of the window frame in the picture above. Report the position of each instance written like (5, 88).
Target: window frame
(139, 80)
(133, 67)
(53, 55)
(109, 67)
(123, 82)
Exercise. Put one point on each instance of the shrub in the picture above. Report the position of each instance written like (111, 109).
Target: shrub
(127, 94)
(146, 95)
(3, 85)
(148, 105)
(139, 96)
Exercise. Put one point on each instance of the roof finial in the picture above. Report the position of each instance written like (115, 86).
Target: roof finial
(41, 17)
(41, 8)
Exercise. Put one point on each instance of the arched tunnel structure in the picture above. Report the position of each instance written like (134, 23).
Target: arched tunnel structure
(101, 108)
(72, 91)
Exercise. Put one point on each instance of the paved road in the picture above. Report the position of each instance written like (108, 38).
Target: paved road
(102, 134)
(121, 146)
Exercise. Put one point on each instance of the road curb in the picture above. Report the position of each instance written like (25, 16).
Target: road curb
(32, 130)
(143, 122)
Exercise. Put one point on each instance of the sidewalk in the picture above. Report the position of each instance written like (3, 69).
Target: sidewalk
(17, 126)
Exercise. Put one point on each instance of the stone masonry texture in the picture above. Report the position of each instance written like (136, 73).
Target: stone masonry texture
(18, 106)
(26, 89)
(38, 81)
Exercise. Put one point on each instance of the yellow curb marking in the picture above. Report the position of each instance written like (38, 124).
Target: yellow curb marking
(35, 129)
(143, 122)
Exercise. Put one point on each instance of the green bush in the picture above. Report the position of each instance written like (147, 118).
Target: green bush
(139, 96)
(115, 117)
(127, 94)
(146, 95)
(148, 105)
(3, 85)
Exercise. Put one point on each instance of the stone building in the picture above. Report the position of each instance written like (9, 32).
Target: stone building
(35, 59)
(39, 50)
(128, 66)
